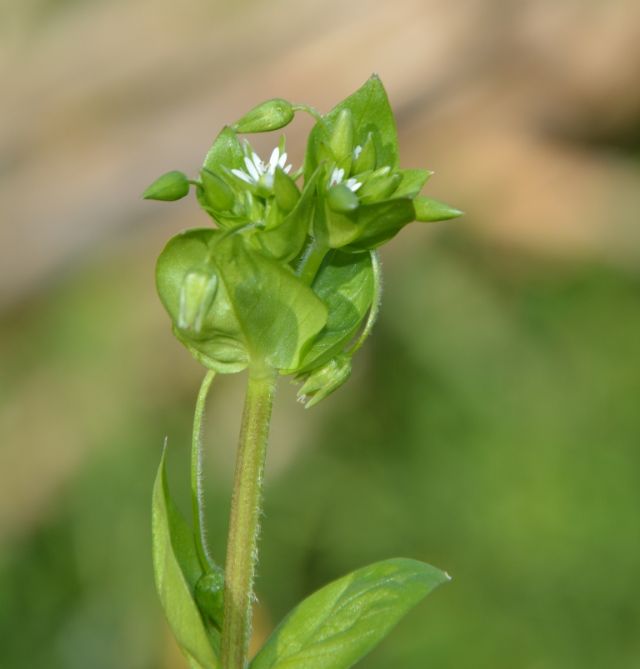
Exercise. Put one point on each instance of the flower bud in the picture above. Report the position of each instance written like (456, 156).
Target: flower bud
(209, 593)
(341, 139)
(216, 192)
(324, 380)
(196, 297)
(342, 199)
(364, 157)
(428, 210)
(269, 115)
(170, 186)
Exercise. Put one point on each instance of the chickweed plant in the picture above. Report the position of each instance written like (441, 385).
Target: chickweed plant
(285, 282)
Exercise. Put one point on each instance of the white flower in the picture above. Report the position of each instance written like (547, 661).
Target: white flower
(260, 173)
(337, 175)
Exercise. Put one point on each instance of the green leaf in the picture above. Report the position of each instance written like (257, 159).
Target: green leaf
(226, 151)
(339, 624)
(412, 182)
(176, 571)
(429, 211)
(169, 187)
(270, 115)
(345, 284)
(277, 313)
(370, 113)
(380, 221)
(219, 343)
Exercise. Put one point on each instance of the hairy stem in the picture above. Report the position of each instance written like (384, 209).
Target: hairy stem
(244, 518)
(197, 496)
(311, 260)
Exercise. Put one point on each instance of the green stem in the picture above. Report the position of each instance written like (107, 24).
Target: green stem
(375, 303)
(244, 518)
(197, 497)
(311, 261)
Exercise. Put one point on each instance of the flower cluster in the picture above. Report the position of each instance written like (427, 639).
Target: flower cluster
(288, 278)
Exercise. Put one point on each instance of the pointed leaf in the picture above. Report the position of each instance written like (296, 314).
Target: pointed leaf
(429, 211)
(340, 623)
(412, 182)
(370, 113)
(176, 570)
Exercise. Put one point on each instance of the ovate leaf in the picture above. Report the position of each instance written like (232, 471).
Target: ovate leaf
(219, 343)
(277, 313)
(176, 571)
(345, 284)
(370, 113)
(340, 623)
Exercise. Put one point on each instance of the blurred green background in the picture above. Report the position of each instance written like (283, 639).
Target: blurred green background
(492, 423)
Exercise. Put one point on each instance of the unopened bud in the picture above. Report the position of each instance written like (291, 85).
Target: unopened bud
(341, 140)
(269, 115)
(196, 297)
(325, 380)
(209, 593)
(170, 186)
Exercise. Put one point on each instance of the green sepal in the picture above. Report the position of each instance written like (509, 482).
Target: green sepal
(412, 182)
(341, 137)
(285, 190)
(169, 187)
(270, 115)
(285, 241)
(226, 151)
(429, 211)
(380, 221)
(379, 187)
(342, 199)
(371, 114)
(176, 571)
(339, 624)
(366, 158)
(217, 194)
(323, 381)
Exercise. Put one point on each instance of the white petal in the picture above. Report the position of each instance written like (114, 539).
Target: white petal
(357, 151)
(274, 158)
(257, 161)
(252, 169)
(283, 160)
(287, 169)
(353, 185)
(242, 175)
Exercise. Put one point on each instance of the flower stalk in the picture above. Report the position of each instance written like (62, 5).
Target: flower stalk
(244, 519)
